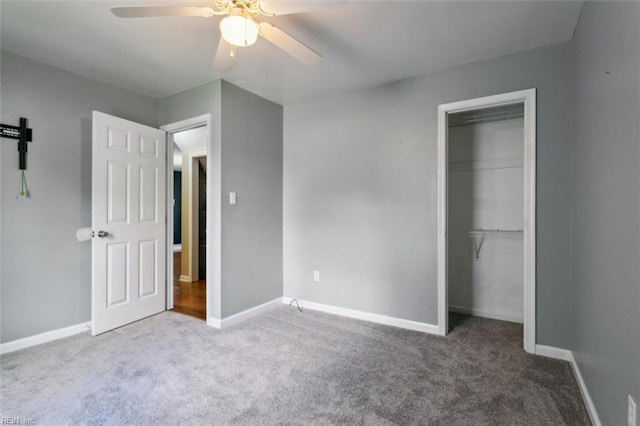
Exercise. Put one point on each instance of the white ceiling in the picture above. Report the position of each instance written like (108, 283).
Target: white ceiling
(188, 141)
(363, 43)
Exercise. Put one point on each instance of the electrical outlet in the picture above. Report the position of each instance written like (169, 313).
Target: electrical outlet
(316, 278)
(631, 412)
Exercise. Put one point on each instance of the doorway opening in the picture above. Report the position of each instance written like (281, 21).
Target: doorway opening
(486, 211)
(189, 259)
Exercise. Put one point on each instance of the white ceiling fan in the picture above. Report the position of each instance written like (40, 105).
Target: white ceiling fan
(238, 28)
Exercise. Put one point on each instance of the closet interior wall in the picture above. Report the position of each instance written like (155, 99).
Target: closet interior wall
(486, 213)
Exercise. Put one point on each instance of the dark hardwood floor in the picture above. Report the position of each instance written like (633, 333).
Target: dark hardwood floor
(188, 298)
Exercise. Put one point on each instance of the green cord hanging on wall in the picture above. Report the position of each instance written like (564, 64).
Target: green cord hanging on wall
(23, 185)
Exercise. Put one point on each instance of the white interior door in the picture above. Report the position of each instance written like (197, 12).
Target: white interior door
(128, 219)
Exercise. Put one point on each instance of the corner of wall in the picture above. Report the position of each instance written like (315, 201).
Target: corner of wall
(571, 149)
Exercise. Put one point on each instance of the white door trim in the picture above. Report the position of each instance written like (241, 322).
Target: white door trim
(214, 207)
(194, 223)
(528, 98)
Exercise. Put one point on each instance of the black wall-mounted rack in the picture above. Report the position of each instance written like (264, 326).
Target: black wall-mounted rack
(22, 134)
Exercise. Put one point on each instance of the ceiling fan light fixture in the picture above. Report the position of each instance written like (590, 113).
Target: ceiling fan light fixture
(239, 30)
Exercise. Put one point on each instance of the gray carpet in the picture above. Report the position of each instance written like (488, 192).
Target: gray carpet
(286, 367)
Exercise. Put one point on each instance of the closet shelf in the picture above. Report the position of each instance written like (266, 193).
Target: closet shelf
(481, 233)
(494, 114)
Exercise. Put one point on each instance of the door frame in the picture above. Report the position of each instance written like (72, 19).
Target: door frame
(194, 228)
(214, 217)
(192, 234)
(528, 98)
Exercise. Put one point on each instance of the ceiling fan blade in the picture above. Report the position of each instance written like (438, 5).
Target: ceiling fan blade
(289, 44)
(159, 11)
(288, 7)
(225, 56)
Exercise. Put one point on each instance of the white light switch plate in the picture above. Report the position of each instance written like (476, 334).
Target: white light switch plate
(316, 276)
(232, 198)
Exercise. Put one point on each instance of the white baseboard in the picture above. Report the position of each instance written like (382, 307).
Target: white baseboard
(367, 316)
(553, 352)
(244, 315)
(567, 355)
(591, 409)
(177, 248)
(214, 322)
(484, 314)
(185, 279)
(45, 337)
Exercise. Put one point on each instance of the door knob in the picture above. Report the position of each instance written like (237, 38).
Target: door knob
(102, 234)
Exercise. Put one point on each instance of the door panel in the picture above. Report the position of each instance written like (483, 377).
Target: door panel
(118, 192)
(119, 140)
(148, 191)
(148, 147)
(128, 203)
(117, 276)
(148, 263)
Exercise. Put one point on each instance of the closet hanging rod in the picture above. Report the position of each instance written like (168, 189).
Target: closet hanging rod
(482, 232)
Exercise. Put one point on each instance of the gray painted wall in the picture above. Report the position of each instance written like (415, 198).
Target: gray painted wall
(45, 279)
(249, 131)
(252, 229)
(606, 205)
(360, 189)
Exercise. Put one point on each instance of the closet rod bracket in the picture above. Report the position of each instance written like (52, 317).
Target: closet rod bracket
(474, 234)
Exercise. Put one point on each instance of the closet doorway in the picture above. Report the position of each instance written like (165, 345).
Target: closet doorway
(486, 210)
